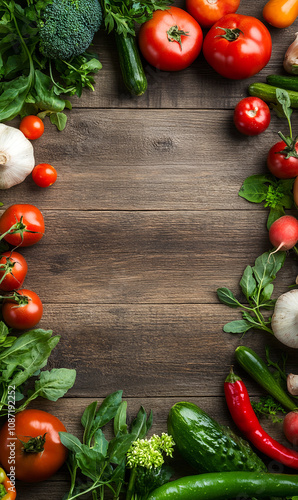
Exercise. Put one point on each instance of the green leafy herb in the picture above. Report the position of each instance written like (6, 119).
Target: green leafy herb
(257, 287)
(269, 408)
(121, 16)
(276, 194)
(23, 357)
(96, 464)
(31, 83)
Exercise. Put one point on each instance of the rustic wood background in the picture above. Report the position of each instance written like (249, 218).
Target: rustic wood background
(142, 226)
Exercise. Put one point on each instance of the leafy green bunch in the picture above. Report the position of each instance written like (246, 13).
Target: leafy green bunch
(97, 464)
(122, 15)
(21, 360)
(257, 287)
(31, 83)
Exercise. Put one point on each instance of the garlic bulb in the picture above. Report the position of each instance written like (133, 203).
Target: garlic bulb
(290, 62)
(284, 321)
(292, 384)
(16, 156)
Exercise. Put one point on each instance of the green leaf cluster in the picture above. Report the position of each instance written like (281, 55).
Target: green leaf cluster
(257, 287)
(31, 83)
(276, 194)
(122, 15)
(268, 407)
(96, 463)
(23, 357)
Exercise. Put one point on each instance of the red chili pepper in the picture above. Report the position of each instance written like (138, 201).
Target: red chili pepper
(8, 486)
(246, 420)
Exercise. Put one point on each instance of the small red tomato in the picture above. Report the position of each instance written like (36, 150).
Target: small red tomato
(251, 116)
(32, 127)
(37, 452)
(290, 427)
(13, 270)
(279, 165)
(27, 223)
(22, 311)
(44, 175)
(207, 12)
(171, 40)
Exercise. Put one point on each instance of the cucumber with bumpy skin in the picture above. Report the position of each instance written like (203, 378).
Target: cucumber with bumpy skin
(284, 82)
(268, 93)
(208, 446)
(130, 64)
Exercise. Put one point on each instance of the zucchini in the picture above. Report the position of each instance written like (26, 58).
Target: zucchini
(130, 64)
(260, 372)
(268, 93)
(283, 82)
(208, 446)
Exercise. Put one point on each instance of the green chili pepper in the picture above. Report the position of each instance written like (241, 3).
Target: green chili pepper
(227, 485)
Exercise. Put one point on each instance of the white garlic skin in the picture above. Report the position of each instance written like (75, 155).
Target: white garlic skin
(284, 321)
(290, 62)
(292, 384)
(16, 156)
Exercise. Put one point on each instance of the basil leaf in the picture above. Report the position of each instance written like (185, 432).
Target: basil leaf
(227, 297)
(248, 283)
(89, 461)
(12, 98)
(266, 293)
(118, 447)
(266, 266)
(254, 188)
(59, 119)
(55, 383)
(120, 425)
(139, 427)
(237, 326)
(107, 409)
(100, 443)
(71, 442)
(87, 421)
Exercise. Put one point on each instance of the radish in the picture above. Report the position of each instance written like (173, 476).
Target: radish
(283, 232)
(290, 427)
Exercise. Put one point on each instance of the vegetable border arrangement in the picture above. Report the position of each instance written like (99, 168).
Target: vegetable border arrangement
(45, 59)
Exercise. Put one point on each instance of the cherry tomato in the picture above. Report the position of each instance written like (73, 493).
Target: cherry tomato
(32, 127)
(25, 218)
(22, 311)
(13, 270)
(8, 486)
(44, 175)
(171, 40)
(280, 13)
(237, 46)
(251, 116)
(207, 12)
(43, 430)
(279, 165)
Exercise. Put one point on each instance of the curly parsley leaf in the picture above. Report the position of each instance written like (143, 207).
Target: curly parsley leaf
(269, 408)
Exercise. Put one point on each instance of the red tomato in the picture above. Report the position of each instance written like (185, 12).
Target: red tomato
(25, 218)
(171, 40)
(13, 270)
(251, 116)
(207, 12)
(279, 165)
(32, 127)
(237, 46)
(50, 454)
(44, 175)
(23, 311)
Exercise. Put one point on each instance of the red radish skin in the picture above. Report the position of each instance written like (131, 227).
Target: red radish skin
(283, 232)
(290, 427)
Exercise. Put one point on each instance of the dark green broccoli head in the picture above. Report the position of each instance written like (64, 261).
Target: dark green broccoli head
(69, 27)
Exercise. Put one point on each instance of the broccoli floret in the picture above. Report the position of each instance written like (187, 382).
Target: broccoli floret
(68, 27)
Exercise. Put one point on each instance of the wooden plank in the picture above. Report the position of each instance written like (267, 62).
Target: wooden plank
(149, 350)
(149, 160)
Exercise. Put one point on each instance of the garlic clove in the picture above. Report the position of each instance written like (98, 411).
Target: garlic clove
(292, 384)
(284, 321)
(290, 62)
(16, 156)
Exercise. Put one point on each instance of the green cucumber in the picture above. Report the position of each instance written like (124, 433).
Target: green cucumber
(208, 446)
(260, 372)
(268, 93)
(283, 82)
(130, 64)
(227, 485)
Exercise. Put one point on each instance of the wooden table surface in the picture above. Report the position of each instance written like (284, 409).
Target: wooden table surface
(142, 226)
